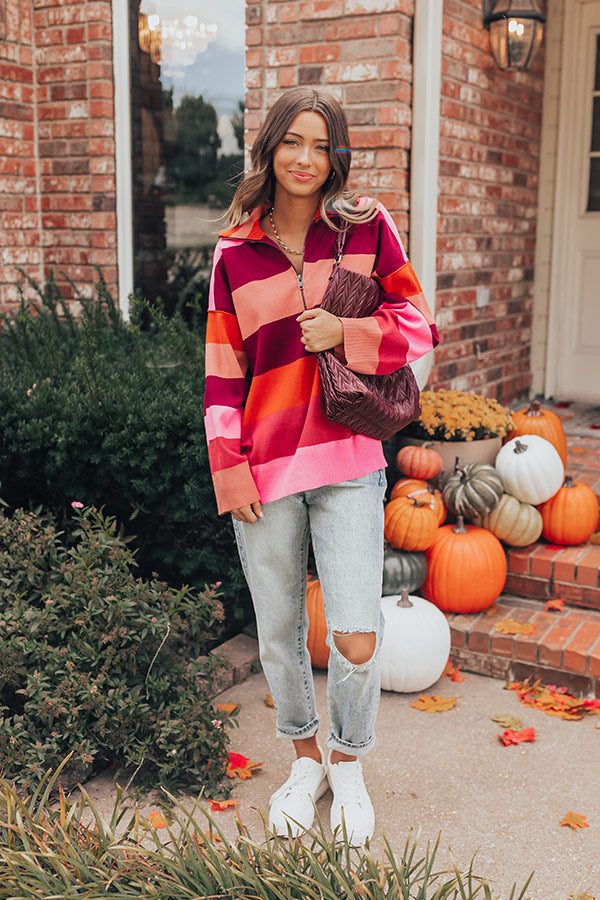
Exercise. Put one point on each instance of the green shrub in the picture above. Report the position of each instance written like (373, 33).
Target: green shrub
(100, 663)
(110, 413)
(71, 851)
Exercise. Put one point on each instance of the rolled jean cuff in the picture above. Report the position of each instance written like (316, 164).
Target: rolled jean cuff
(300, 733)
(334, 743)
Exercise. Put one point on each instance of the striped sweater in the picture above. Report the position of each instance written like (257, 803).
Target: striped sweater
(268, 435)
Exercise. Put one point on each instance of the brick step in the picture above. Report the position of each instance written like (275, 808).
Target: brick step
(545, 572)
(563, 649)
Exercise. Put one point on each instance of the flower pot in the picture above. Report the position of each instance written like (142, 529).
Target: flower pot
(484, 451)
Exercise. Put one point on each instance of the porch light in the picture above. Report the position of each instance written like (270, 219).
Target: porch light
(516, 29)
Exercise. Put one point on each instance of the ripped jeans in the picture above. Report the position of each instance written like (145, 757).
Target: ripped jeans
(345, 523)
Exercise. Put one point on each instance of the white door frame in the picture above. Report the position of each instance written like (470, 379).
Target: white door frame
(123, 173)
(570, 107)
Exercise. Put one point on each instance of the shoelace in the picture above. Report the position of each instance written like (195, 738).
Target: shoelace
(351, 791)
(297, 779)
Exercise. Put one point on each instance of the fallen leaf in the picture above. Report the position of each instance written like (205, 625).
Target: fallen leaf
(595, 538)
(517, 737)
(452, 671)
(555, 546)
(221, 804)
(491, 610)
(575, 820)
(268, 701)
(553, 700)
(511, 626)
(577, 450)
(434, 703)
(156, 820)
(228, 707)
(508, 722)
(212, 836)
(241, 766)
(557, 605)
(581, 897)
(595, 426)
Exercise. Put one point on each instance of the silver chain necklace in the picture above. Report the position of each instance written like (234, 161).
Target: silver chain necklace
(278, 239)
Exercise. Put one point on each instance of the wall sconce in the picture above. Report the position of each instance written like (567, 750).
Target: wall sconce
(516, 29)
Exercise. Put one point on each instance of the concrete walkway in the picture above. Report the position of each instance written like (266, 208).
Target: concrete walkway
(449, 773)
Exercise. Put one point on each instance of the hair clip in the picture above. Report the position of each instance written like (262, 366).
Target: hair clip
(342, 149)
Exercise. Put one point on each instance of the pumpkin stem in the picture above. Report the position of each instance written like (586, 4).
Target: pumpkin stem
(519, 447)
(460, 527)
(568, 482)
(404, 602)
(535, 409)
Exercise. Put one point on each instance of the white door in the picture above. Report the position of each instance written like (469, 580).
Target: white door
(573, 363)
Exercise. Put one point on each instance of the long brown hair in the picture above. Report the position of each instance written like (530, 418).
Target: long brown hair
(258, 186)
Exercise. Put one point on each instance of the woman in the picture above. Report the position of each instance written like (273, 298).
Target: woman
(285, 472)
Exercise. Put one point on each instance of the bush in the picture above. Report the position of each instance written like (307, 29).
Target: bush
(100, 663)
(110, 413)
(72, 852)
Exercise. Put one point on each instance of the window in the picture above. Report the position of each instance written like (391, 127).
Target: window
(187, 76)
(593, 204)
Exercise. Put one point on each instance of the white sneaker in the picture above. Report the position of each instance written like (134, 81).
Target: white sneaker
(292, 806)
(350, 800)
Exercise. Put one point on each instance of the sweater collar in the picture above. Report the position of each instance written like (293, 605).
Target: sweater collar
(250, 229)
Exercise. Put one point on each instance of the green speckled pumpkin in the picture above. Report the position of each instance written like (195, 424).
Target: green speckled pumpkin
(402, 570)
(473, 490)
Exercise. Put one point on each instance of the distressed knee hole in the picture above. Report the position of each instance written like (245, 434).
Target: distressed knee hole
(357, 647)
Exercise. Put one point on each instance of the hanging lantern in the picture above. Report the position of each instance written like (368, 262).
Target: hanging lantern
(516, 29)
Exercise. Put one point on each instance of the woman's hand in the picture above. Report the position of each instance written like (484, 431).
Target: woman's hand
(248, 514)
(320, 330)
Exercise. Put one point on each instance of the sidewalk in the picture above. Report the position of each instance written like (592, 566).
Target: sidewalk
(449, 773)
(445, 773)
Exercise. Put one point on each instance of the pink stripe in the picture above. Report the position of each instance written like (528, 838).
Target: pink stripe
(222, 421)
(224, 361)
(362, 339)
(318, 465)
(413, 327)
(260, 302)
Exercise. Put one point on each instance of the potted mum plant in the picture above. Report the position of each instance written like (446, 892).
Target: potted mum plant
(459, 424)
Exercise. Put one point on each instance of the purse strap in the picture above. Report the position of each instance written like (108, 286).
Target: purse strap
(339, 249)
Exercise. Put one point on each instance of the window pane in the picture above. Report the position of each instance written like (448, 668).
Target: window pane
(187, 137)
(597, 79)
(594, 192)
(596, 125)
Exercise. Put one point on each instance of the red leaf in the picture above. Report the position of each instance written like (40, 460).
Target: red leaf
(555, 605)
(221, 804)
(517, 737)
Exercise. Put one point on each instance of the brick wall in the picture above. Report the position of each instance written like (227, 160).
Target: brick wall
(57, 126)
(489, 152)
(359, 49)
(490, 137)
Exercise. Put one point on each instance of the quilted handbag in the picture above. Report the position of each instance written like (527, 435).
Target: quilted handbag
(375, 405)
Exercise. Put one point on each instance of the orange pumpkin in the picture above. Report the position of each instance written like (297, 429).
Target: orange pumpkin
(420, 490)
(419, 462)
(545, 423)
(467, 568)
(409, 524)
(571, 515)
(317, 626)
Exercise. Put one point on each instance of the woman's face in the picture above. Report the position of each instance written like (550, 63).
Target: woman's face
(301, 159)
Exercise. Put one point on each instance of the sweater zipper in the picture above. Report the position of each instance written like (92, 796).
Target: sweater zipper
(301, 286)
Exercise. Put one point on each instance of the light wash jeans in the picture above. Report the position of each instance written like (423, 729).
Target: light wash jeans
(345, 522)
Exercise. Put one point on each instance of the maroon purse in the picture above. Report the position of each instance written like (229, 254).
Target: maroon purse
(375, 405)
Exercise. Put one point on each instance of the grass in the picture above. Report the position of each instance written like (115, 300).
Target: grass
(52, 849)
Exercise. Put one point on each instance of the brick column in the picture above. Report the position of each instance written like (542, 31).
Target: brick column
(361, 51)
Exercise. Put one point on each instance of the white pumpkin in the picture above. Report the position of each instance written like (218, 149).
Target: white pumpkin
(415, 645)
(513, 522)
(531, 468)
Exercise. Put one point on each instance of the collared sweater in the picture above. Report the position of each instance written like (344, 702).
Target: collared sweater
(267, 431)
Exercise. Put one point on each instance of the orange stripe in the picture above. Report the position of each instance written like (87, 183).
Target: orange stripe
(403, 278)
(283, 388)
(223, 328)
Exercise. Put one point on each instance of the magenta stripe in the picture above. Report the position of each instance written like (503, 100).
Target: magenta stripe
(275, 345)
